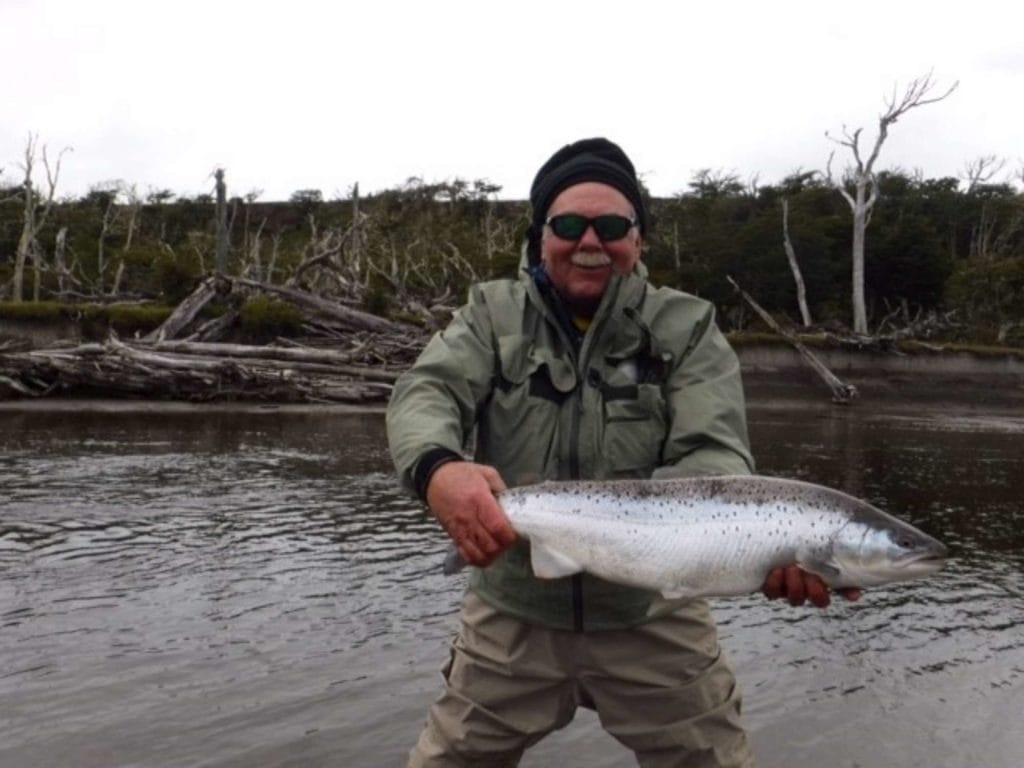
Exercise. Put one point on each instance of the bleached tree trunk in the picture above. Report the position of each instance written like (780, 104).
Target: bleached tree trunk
(33, 219)
(28, 221)
(356, 242)
(676, 258)
(794, 266)
(275, 247)
(864, 181)
(60, 245)
(24, 246)
(861, 218)
(109, 216)
(255, 268)
(134, 206)
(222, 223)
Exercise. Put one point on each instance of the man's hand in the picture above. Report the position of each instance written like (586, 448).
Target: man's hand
(461, 496)
(798, 586)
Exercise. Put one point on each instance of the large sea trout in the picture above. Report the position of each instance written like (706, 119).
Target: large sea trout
(712, 536)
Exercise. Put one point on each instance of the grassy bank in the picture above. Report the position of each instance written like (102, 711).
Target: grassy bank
(817, 341)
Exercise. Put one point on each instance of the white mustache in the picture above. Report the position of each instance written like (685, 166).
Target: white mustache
(591, 259)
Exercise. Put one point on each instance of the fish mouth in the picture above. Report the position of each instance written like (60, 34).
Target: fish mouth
(931, 561)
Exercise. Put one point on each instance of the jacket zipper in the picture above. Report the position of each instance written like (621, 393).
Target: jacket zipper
(582, 379)
(574, 470)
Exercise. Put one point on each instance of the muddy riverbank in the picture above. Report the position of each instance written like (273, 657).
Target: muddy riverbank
(776, 371)
(771, 374)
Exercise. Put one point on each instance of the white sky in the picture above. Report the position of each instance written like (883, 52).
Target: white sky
(295, 94)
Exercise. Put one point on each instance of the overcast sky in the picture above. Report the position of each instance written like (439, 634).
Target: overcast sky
(293, 94)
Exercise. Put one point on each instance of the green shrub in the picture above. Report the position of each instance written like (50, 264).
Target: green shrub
(174, 277)
(378, 298)
(96, 320)
(264, 318)
(127, 320)
(34, 310)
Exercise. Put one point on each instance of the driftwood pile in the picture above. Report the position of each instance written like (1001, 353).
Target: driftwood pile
(345, 356)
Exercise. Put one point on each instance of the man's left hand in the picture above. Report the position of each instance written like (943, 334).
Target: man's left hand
(799, 586)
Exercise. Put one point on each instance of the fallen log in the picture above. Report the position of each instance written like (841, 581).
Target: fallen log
(117, 367)
(273, 357)
(186, 311)
(350, 356)
(351, 318)
(842, 393)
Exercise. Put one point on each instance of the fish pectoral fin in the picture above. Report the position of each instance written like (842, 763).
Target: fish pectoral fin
(828, 571)
(678, 591)
(551, 563)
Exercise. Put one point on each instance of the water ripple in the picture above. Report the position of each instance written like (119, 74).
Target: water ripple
(162, 574)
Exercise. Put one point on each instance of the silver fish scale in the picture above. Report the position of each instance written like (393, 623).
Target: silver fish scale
(687, 537)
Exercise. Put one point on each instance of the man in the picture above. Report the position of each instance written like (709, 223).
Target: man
(578, 369)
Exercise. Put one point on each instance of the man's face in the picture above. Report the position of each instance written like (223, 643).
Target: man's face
(581, 269)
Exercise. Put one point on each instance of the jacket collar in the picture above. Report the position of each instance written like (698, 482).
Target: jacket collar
(623, 291)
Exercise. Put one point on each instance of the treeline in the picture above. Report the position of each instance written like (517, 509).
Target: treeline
(933, 247)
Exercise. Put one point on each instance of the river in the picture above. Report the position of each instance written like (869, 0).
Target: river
(191, 587)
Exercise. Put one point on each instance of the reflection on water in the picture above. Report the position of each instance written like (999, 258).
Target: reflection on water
(254, 589)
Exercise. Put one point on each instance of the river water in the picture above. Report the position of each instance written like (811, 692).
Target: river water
(251, 588)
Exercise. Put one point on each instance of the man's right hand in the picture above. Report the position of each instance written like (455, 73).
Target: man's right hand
(461, 496)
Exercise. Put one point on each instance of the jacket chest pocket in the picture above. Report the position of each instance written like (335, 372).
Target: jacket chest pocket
(634, 428)
(520, 424)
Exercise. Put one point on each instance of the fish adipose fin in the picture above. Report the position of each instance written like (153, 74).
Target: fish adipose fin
(550, 563)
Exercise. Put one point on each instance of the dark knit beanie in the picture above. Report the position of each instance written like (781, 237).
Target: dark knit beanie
(585, 160)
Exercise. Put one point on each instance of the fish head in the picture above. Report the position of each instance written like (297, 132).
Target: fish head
(877, 549)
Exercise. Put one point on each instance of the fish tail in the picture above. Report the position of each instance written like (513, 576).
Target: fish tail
(453, 562)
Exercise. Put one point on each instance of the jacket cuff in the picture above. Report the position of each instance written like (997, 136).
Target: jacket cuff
(428, 464)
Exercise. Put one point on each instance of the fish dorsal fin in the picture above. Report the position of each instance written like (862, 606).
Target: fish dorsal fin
(551, 563)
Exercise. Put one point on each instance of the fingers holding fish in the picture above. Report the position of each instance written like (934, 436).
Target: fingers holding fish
(798, 586)
(493, 478)
(461, 496)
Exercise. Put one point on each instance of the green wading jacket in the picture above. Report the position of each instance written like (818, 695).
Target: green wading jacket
(653, 389)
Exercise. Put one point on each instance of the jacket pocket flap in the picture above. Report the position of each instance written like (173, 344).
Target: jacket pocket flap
(519, 359)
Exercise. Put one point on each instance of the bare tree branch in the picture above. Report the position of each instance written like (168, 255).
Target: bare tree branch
(981, 171)
(35, 212)
(794, 266)
(864, 180)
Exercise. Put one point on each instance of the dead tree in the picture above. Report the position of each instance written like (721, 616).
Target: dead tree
(842, 392)
(133, 208)
(794, 266)
(357, 242)
(865, 182)
(35, 211)
(222, 223)
(981, 171)
(110, 214)
(64, 277)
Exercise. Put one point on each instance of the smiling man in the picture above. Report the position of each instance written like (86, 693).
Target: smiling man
(578, 369)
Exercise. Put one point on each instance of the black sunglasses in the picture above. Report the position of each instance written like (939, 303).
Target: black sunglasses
(609, 227)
